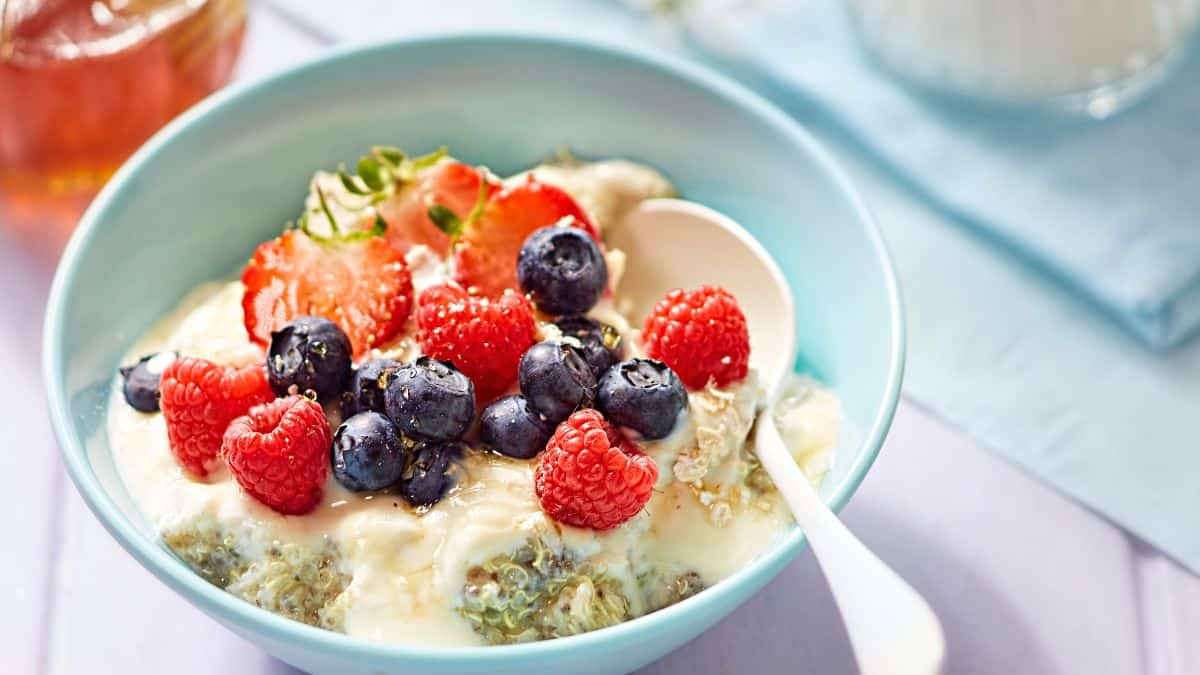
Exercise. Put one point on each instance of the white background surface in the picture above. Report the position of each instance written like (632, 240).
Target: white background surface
(1025, 580)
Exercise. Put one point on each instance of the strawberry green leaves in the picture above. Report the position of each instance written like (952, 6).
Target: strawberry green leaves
(378, 174)
(381, 170)
(370, 172)
(451, 224)
(445, 220)
(377, 229)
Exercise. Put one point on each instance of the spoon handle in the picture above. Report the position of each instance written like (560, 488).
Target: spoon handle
(891, 627)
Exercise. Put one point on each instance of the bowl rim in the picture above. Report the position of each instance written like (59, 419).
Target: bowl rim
(245, 616)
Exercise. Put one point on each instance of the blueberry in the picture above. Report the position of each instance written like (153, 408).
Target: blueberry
(556, 380)
(642, 395)
(511, 427)
(430, 400)
(142, 378)
(599, 343)
(309, 353)
(562, 270)
(431, 473)
(368, 453)
(367, 385)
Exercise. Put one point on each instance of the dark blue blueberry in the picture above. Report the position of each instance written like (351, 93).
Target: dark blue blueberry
(511, 427)
(562, 270)
(599, 343)
(431, 473)
(430, 400)
(368, 453)
(367, 385)
(556, 380)
(310, 353)
(643, 395)
(142, 378)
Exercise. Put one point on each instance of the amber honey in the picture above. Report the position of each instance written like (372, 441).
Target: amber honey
(83, 83)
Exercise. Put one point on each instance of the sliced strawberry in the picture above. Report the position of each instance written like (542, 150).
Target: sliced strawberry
(364, 286)
(485, 258)
(449, 183)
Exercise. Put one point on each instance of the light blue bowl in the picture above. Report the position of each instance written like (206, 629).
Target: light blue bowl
(194, 202)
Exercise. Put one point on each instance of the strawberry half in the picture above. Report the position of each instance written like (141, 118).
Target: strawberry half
(485, 256)
(363, 285)
(449, 183)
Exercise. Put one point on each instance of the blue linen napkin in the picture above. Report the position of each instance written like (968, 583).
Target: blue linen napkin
(1004, 337)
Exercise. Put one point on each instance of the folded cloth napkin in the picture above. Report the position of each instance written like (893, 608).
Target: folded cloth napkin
(1017, 361)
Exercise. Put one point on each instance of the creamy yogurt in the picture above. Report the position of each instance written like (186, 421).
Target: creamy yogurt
(396, 574)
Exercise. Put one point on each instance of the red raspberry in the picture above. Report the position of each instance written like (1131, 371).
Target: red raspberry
(484, 338)
(592, 476)
(199, 399)
(701, 334)
(279, 453)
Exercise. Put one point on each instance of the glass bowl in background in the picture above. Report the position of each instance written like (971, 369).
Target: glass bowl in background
(1090, 57)
(83, 83)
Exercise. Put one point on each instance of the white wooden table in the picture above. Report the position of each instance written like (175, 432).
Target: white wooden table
(1025, 580)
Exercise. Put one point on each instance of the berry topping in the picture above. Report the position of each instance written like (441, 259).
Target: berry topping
(511, 427)
(142, 380)
(592, 476)
(701, 334)
(310, 353)
(598, 343)
(279, 453)
(366, 387)
(556, 380)
(484, 338)
(449, 184)
(199, 399)
(643, 395)
(430, 400)
(368, 453)
(361, 284)
(485, 257)
(562, 270)
(431, 473)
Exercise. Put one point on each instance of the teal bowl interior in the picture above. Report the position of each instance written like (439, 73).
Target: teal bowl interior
(195, 201)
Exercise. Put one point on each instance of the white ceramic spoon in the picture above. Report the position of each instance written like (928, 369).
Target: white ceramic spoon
(892, 629)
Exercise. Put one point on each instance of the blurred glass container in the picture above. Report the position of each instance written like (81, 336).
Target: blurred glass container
(1091, 57)
(83, 83)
